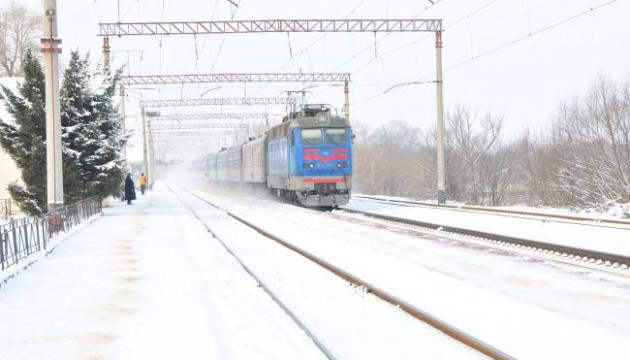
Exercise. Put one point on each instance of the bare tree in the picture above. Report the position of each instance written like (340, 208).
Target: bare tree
(390, 160)
(470, 138)
(595, 133)
(19, 29)
(540, 157)
(582, 158)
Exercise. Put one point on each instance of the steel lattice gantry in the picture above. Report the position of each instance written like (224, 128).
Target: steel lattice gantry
(198, 127)
(302, 26)
(233, 77)
(172, 136)
(218, 101)
(209, 116)
(268, 26)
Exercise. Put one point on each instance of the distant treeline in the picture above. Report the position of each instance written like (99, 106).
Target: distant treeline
(581, 159)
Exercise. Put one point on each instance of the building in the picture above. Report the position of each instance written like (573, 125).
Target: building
(9, 172)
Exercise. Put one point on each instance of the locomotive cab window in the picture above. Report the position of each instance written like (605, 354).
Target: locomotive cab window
(336, 136)
(311, 136)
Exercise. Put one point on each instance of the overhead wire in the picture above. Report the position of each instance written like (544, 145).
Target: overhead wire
(367, 48)
(214, 11)
(126, 12)
(529, 35)
(216, 59)
(323, 36)
(425, 37)
(495, 49)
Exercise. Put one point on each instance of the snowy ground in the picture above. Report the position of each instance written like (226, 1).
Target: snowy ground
(611, 239)
(149, 281)
(529, 308)
(616, 212)
(143, 282)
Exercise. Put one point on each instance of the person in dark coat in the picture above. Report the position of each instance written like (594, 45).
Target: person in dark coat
(130, 190)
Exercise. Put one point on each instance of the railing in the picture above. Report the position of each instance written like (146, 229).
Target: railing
(5, 209)
(23, 237)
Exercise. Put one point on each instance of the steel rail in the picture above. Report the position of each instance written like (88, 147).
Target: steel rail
(499, 211)
(251, 273)
(417, 313)
(613, 259)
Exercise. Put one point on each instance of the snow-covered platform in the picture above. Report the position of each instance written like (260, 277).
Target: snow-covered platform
(143, 282)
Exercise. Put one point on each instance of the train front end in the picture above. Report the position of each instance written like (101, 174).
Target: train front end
(319, 157)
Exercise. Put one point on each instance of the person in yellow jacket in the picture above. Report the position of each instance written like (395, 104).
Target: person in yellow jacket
(143, 183)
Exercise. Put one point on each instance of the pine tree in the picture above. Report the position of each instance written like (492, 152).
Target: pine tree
(24, 139)
(106, 159)
(92, 124)
(75, 117)
(91, 134)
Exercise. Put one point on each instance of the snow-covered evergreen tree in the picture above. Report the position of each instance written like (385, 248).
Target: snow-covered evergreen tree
(91, 134)
(24, 138)
(92, 126)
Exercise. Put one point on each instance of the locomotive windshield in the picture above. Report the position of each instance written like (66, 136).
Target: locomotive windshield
(311, 136)
(336, 136)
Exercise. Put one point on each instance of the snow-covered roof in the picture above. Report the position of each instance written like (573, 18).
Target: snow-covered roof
(10, 83)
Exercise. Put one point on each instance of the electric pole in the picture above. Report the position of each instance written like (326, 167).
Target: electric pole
(51, 50)
(441, 171)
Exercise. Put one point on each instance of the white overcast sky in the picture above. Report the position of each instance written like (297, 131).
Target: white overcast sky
(523, 82)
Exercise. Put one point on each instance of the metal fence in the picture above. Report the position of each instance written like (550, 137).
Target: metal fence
(5, 209)
(23, 237)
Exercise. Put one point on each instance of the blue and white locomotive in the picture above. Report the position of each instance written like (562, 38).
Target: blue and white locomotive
(307, 159)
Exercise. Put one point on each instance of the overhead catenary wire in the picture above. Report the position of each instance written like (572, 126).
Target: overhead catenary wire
(320, 38)
(306, 48)
(367, 48)
(216, 59)
(424, 37)
(499, 48)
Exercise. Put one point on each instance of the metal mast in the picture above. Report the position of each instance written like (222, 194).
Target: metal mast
(51, 50)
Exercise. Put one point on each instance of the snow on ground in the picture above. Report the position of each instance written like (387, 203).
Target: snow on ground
(528, 308)
(53, 242)
(149, 282)
(615, 212)
(350, 323)
(612, 239)
(143, 282)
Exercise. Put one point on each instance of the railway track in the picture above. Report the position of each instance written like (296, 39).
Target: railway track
(408, 308)
(561, 252)
(262, 284)
(506, 212)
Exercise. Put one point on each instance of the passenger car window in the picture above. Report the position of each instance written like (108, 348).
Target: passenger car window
(311, 136)
(336, 136)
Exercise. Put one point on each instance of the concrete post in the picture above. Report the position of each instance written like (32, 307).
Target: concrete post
(106, 52)
(50, 50)
(346, 106)
(123, 119)
(441, 163)
(150, 157)
(145, 165)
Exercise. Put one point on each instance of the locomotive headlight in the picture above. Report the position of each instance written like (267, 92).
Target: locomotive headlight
(308, 166)
(342, 165)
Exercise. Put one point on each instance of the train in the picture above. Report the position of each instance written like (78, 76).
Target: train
(306, 159)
